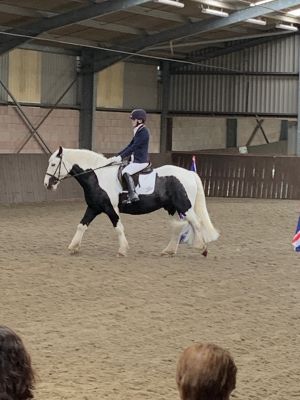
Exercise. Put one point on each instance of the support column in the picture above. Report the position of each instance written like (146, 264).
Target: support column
(166, 123)
(231, 132)
(284, 127)
(293, 129)
(297, 139)
(87, 99)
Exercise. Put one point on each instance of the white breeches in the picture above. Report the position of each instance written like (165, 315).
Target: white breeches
(133, 168)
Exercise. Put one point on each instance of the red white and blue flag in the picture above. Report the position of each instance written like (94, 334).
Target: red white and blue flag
(193, 165)
(187, 232)
(296, 239)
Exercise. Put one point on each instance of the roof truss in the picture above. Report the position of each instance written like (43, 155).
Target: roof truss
(81, 14)
(191, 29)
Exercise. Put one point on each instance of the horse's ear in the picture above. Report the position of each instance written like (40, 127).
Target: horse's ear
(60, 150)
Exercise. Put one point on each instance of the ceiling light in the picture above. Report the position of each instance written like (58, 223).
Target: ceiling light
(295, 13)
(256, 21)
(258, 3)
(287, 27)
(174, 3)
(212, 11)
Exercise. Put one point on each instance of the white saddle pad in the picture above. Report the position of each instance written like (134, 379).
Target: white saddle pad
(146, 183)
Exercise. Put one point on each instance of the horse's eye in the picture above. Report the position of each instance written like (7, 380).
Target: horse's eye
(52, 165)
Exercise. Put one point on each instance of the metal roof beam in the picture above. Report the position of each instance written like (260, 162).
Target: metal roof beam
(191, 29)
(236, 47)
(25, 12)
(68, 18)
(154, 13)
(217, 3)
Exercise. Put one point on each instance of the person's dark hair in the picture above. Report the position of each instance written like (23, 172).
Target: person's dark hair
(16, 373)
(139, 114)
(205, 372)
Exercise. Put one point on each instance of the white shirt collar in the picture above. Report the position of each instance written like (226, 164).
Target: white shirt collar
(137, 128)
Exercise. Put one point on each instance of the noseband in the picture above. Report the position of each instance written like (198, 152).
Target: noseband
(56, 179)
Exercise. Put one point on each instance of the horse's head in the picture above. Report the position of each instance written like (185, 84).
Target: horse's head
(58, 168)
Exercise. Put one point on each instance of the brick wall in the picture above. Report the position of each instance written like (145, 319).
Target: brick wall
(60, 128)
(198, 133)
(245, 127)
(113, 131)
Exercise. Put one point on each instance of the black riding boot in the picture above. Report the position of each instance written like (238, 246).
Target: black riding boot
(132, 196)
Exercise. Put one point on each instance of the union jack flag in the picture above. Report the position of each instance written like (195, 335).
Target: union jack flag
(296, 239)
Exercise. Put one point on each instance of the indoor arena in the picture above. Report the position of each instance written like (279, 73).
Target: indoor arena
(115, 256)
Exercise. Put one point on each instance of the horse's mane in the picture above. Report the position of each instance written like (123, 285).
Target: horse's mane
(87, 157)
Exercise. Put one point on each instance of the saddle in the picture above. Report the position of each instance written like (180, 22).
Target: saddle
(147, 170)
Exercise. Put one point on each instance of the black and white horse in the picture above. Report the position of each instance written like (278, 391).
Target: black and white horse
(177, 190)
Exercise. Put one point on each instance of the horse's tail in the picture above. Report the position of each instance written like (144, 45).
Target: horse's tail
(207, 229)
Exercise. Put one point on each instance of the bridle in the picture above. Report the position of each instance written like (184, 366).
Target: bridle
(57, 178)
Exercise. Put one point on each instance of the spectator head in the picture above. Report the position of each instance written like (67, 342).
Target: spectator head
(205, 372)
(16, 374)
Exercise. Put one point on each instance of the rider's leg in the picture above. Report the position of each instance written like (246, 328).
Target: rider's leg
(129, 170)
(132, 195)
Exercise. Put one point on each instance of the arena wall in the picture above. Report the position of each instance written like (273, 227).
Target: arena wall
(22, 177)
(112, 130)
(191, 133)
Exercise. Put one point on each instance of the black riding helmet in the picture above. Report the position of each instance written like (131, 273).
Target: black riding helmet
(138, 113)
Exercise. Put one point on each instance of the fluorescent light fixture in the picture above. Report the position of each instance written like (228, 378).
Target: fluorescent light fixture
(174, 3)
(295, 13)
(256, 21)
(259, 3)
(287, 27)
(212, 11)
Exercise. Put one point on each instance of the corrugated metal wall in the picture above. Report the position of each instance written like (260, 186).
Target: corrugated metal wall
(55, 72)
(203, 89)
(58, 71)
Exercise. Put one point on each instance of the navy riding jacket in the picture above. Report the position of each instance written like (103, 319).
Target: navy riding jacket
(138, 146)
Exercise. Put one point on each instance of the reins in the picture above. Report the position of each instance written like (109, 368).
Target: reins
(57, 179)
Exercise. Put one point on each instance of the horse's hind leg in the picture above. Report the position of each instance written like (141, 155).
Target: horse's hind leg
(172, 247)
(88, 217)
(198, 242)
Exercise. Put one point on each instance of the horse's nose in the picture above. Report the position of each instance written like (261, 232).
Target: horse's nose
(47, 184)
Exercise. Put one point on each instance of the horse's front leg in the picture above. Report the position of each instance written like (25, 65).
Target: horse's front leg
(88, 217)
(114, 216)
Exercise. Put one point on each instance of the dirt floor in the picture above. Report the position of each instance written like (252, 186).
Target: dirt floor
(101, 327)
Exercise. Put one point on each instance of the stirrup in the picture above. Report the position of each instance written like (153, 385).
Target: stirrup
(135, 198)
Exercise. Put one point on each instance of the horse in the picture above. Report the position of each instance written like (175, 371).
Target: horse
(177, 190)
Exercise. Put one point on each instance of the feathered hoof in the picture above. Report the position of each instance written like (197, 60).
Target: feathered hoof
(74, 250)
(121, 253)
(168, 253)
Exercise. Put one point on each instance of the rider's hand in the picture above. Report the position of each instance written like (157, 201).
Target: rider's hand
(116, 159)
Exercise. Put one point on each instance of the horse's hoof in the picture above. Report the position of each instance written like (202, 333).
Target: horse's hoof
(121, 254)
(205, 253)
(169, 253)
(73, 250)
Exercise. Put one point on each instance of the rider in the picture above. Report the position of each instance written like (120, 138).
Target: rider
(137, 149)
